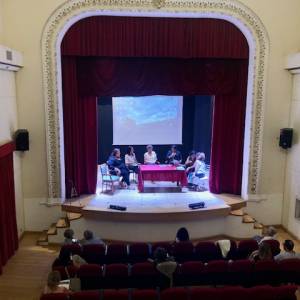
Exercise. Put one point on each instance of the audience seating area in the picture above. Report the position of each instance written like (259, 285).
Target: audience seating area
(227, 293)
(184, 251)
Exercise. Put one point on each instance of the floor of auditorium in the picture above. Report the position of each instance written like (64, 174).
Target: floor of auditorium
(25, 274)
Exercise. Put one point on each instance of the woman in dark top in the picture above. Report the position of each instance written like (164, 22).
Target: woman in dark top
(190, 162)
(64, 258)
(118, 167)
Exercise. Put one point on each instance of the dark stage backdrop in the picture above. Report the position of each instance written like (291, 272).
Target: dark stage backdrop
(196, 129)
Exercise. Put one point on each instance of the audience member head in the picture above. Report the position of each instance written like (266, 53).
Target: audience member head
(264, 251)
(88, 235)
(65, 256)
(288, 245)
(53, 280)
(78, 261)
(192, 153)
(149, 148)
(173, 148)
(130, 150)
(200, 156)
(271, 231)
(116, 153)
(160, 255)
(182, 235)
(69, 234)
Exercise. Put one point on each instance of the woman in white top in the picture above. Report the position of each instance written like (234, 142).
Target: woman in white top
(150, 157)
(199, 168)
(130, 160)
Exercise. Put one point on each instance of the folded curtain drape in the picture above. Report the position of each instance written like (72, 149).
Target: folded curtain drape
(8, 222)
(135, 56)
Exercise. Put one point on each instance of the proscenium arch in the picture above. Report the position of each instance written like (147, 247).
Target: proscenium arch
(230, 10)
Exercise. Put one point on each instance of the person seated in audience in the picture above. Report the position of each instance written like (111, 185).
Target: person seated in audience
(263, 253)
(52, 286)
(131, 161)
(288, 247)
(89, 239)
(269, 235)
(150, 157)
(64, 258)
(69, 236)
(78, 261)
(118, 167)
(164, 263)
(182, 235)
(190, 162)
(173, 156)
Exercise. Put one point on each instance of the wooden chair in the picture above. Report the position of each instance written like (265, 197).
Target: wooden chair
(107, 178)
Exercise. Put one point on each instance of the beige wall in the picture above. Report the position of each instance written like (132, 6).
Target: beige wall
(8, 125)
(24, 21)
(1, 23)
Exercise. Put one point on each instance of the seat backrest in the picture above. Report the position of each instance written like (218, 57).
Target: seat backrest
(289, 265)
(54, 297)
(207, 250)
(175, 294)
(116, 270)
(246, 247)
(242, 265)
(104, 169)
(90, 270)
(191, 268)
(217, 266)
(143, 269)
(165, 245)
(205, 293)
(73, 249)
(115, 295)
(144, 295)
(85, 295)
(139, 249)
(266, 266)
(93, 253)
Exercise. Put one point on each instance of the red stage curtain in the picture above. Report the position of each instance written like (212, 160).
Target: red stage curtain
(8, 223)
(226, 161)
(148, 76)
(154, 37)
(80, 133)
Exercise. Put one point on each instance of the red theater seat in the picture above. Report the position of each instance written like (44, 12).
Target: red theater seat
(183, 251)
(245, 248)
(86, 295)
(216, 272)
(266, 272)
(138, 252)
(115, 295)
(174, 294)
(240, 272)
(91, 277)
(144, 295)
(71, 270)
(73, 249)
(144, 275)
(116, 276)
(205, 293)
(290, 270)
(94, 254)
(54, 297)
(165, 245)
(117, 253)
(207, 251)
(189, 273)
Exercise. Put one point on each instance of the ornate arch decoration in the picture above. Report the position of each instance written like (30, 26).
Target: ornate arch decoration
(231, 10)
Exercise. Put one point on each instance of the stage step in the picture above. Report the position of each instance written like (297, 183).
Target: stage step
(237, 212)
(62, 223)
(248, 219)
(52, 229)
(73, 216)
(258, 225)
(43, 239)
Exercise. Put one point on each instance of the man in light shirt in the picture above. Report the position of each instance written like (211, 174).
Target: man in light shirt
(150, 157)
(288, 253)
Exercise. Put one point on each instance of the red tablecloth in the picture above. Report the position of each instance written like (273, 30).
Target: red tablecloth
(160, 173)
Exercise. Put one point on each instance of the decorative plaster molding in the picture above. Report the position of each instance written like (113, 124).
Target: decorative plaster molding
(72, 11)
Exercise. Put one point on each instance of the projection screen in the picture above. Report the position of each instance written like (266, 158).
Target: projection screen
(146, 120)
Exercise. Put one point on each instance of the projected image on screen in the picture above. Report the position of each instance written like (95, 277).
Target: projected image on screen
(147, 120)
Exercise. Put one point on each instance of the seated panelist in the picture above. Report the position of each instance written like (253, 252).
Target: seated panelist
(130, 160)
(150, 157)
(189, 163)
(173, 156)
(118, 167)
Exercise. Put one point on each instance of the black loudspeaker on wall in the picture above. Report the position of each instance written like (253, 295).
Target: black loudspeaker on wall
(286, 138)
(22, 140)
